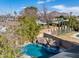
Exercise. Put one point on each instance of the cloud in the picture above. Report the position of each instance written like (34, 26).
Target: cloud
(44, 1)
(62, 8)
(40, 2)
(49, 0)
(58, 6)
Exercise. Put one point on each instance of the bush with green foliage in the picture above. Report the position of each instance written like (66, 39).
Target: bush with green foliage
(6, 49)
(73, 23)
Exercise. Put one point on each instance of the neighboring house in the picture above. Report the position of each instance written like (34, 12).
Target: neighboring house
(41, 22)
(51, 17)
(8, 21)
(7, 18)
(3, 29)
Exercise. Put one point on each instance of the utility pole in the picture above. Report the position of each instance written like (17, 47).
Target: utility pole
(70, 22)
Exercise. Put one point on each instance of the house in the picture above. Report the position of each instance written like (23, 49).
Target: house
(52, 17)
(3, 29)
(8, 21)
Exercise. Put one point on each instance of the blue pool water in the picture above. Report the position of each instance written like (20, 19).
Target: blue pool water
(36, 50)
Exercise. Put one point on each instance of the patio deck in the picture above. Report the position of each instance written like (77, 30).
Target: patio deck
(68, 37)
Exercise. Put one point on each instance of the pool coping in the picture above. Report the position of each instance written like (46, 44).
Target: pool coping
(75, 35)
(25, 55)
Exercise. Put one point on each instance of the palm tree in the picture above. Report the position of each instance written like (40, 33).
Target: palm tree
(59, 19)
(15, 13)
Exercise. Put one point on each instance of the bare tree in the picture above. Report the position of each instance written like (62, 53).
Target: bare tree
(45, 14)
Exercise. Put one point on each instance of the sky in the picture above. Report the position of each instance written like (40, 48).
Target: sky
(9, 6)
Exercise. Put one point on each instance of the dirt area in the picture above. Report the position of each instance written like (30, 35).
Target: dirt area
(51, 30)
(69, 37)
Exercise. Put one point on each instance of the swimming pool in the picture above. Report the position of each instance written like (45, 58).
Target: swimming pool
(36, 50)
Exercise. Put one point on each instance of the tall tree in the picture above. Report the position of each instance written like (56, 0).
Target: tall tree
(30, 11)
(45, 15)
(29, 28)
